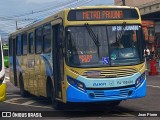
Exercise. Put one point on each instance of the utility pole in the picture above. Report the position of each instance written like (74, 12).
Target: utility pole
(16, 26)
(123, 2)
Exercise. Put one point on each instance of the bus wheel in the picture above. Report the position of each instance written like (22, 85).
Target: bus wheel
(23, 92)
(115, 103)
(57, 105)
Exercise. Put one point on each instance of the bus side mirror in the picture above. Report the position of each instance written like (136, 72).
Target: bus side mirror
(68, 37)
(69, 42)
(68, 33)
(61, 36)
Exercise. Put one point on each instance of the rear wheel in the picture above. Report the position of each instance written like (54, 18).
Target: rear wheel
(55, 103)
(23, 92)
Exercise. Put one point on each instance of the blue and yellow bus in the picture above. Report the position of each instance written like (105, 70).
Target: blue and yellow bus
(84, 54)
(2, 75)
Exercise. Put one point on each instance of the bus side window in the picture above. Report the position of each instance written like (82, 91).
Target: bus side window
(38, 40)
(24, 41)
(31, 43)
(47, 38)
(18, 45)
(10, 47)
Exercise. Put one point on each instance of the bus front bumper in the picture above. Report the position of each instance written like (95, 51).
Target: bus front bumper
(76, 95)
(3, 92)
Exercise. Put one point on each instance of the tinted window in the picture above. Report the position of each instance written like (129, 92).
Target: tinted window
(38, 40)
(18, 45)
(24, 38)
(31, 47)
(10, 46)
(47, 38)
(113, 45)
(5, 52)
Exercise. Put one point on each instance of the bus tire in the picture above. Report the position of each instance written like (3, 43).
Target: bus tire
(115, 103)
(57, 105)
(23, 92)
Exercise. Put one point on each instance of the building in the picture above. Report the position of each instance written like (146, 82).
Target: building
(150, 12)
(133, 2)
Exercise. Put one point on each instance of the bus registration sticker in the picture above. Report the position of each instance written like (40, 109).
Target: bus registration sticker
(113, 56)
(105, 60)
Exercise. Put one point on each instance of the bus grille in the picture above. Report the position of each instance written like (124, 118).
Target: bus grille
(99, 94)
(112, 73)
(122, 93)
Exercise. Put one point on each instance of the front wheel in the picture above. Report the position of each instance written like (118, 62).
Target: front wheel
(55, 103)
(23, 92)
(115, 103)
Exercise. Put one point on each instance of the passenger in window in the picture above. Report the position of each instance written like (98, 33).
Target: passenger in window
(126, 41)
(117, 44)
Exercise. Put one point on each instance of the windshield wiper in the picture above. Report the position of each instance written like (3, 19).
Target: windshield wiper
(119, 36)
(93, 35)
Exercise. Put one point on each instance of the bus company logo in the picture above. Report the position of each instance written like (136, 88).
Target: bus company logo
(111, 83)
(99, 84)
(6, 114)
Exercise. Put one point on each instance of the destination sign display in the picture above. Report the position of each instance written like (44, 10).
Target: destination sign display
(102, 14)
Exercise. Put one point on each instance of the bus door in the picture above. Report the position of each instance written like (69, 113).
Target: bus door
(58, 65)
(13, 61)
(31, 63)
(11, 75)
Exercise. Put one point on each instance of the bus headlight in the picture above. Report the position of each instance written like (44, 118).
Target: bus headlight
(140, 80)
(76, 83)
(143, 76)
(2, 79)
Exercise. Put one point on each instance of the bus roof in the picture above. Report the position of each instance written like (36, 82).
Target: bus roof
(100, 6)
(61, 14)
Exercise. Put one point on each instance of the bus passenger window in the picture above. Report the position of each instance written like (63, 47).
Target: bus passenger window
(24, 39)
(10, 46)
(31, 47)
(18, 45)
(47, 38)
(38, 40)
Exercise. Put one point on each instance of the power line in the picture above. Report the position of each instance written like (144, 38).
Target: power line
(77, 4)
(39, 11)
(28, 19)
(18, 19)
(11, 19)
(34, 14)
(61, 8)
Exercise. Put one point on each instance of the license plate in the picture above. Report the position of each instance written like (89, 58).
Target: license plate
(125, 82)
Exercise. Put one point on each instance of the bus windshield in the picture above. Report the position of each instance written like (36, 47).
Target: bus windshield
(118, 45)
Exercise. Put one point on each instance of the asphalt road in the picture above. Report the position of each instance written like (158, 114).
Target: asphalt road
(149, 104)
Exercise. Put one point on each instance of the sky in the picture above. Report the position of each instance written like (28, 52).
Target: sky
(27, 11)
